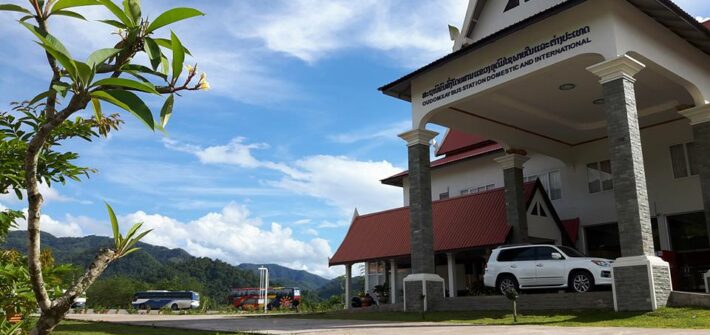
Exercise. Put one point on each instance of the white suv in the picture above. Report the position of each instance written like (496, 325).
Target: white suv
(545, 266)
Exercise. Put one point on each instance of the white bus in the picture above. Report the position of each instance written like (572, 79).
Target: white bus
(174, 300)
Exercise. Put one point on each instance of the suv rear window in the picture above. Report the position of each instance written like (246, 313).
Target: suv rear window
(517, 254)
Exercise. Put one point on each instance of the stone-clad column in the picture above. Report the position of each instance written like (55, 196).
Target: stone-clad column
(641, 280)
(700, 121)
(516, 213)
(423, 288)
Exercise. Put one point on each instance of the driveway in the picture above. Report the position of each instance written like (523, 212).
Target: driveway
(276, 325)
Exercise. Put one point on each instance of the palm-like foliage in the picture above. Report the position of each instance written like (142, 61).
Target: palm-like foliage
(124, 245)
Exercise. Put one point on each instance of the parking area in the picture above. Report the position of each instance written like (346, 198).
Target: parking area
(279, 325)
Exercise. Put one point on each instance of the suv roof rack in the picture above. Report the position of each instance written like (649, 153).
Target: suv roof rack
(513, 245)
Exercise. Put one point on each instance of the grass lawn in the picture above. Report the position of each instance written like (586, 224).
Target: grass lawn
(101, 328)
(697, 318)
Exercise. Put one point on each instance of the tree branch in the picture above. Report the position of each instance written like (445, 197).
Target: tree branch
(35, 200)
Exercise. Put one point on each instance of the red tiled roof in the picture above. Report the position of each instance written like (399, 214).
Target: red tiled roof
(707, 24)
(572, 228)
(464, 222)
(456, 140)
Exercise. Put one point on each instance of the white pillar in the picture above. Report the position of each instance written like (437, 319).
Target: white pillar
(393, 281)
(451, 262)
(663, 233)
(367, 277)
(348, 284)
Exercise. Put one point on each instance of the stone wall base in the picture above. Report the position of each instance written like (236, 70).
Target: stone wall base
(423, 292)
(641, 283)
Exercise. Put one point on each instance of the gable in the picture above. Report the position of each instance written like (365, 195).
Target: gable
(542, 221)
(497, 15)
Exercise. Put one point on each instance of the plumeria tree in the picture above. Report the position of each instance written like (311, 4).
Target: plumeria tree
(30, 134)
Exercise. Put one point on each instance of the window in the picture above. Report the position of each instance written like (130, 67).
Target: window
(545, 253)
(517, 254)
(599, 176)
(474, 190)
(444, 195)
(684, 160)
(551, 181)
(538, 210)
(688, 231)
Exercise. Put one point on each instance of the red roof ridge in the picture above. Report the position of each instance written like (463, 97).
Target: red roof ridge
(382, 212)
(458, 197)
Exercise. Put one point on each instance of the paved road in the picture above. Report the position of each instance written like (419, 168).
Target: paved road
(276, 325)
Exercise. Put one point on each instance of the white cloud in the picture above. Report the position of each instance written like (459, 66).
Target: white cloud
(236, 237)
(389, 132)
(49, 194)
(293, 27)
(338, 180)
(328, 224)
(303, 222)
(231, 234)
(54, 227)
(702, 19)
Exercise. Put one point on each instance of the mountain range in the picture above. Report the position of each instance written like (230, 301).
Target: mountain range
(155, 264)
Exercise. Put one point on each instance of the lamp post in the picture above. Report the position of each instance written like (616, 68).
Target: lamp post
(264, 286)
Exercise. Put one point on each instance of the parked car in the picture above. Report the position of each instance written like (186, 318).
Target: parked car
(545, 266)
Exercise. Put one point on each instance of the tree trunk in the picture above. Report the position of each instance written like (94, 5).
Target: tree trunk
(51, 317)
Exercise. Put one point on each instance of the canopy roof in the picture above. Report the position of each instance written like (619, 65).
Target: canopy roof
(664, 12)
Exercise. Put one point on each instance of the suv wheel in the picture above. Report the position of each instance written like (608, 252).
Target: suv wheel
(506, 283)
(581, 281)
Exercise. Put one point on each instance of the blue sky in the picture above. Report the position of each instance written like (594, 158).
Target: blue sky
(268, 166)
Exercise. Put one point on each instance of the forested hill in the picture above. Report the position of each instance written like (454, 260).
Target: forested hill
(289, 277)
(155, 267)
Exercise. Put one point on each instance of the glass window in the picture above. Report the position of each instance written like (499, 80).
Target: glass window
(688, 231)
(569, 252)
(516, 255)
(545, 253)
(593, 178)
(680, 169)
(692, 151)
(656, 236)
(599, 176)
(444, 195)
(555, 189)
(603, 241)
(605, 174)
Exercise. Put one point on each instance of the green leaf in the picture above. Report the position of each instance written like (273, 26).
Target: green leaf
(128, 101)
(167, 111)
(165, 66)
(40, 97)
(133, 242)
(117, 12)
(130, 252)
(100, 56)
(97, 109)
(166, 43)
(70, 14)
(14, 8)
(132, 231)
(172, 16)
(153, 51)
(114, 225)
(47, 39)
(63, 4)
(144, 69)
(61, 88)
(85, 72)
(127, 83)
(114, 23)
(63, 59)
(178, 56)
(132, 8)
